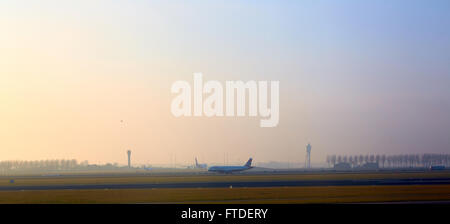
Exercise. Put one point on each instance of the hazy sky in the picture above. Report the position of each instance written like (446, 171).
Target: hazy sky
(355, 77)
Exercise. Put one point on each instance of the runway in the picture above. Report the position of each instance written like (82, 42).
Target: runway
(235, 184)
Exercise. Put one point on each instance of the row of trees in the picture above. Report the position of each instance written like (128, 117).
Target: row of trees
(54, 165)
(403, 160)
(43, 165)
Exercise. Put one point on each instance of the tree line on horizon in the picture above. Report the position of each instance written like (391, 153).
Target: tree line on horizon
(53, 164)
(392, 161)
(50, 165)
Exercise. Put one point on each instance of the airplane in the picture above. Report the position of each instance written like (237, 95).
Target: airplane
(200, 166)
(147, 168)
(231, 169)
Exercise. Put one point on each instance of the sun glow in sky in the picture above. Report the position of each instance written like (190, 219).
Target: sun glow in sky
(356, 77)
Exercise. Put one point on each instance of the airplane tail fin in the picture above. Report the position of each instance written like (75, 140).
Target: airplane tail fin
(249, 163)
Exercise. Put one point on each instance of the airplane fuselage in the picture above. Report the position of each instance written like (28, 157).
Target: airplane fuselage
(228, 169)
(231, 169)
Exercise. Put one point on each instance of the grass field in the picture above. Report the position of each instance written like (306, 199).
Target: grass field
(347, 194)
(128, 179)
(331, 194)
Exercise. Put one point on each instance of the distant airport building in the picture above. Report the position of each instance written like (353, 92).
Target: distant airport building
(370, 166)
(342, 166)
(129, 158)
(437, 167)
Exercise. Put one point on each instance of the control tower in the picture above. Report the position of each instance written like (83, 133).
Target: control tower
(308, 156)
(129, 158)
